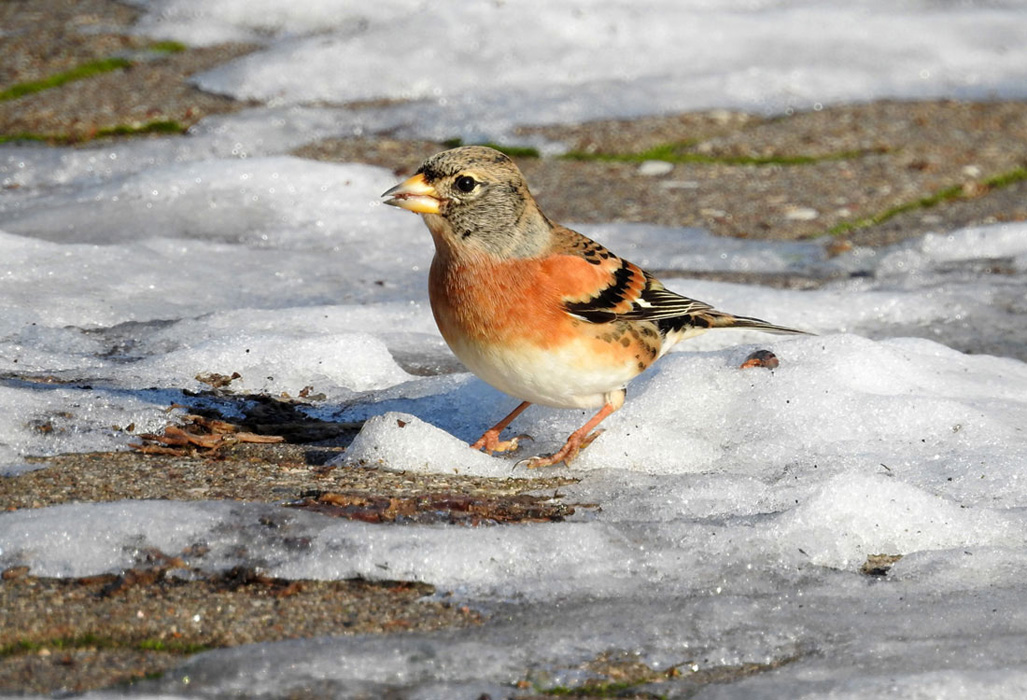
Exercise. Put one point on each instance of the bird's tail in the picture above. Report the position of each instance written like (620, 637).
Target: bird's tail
(717, 319)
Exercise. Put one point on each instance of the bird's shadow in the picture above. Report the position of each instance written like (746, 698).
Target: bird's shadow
(459, 404)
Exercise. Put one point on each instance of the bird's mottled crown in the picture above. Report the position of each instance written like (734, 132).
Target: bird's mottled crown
(449, 163)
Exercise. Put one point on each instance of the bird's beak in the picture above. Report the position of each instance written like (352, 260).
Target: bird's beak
(414, 194)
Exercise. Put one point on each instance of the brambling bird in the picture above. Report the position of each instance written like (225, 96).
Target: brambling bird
(535, 309)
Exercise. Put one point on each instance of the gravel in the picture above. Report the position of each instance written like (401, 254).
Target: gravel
(858, 161)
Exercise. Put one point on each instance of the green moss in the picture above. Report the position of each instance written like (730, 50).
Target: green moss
(1006, 179)
(86, 70)
(167, 47)
(86, 641)
(515, 151)
(165, 126)
(171, 647)
(91, 641)
(947, 194)
(24, 136)
(678, 153)
(512, 151)
(672, 153)
(600, 690)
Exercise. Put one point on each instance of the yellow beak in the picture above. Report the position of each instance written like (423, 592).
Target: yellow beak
(414, 194)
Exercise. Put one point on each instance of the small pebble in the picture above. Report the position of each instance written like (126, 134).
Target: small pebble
(801, 214)
(760, 358)
(655, 168)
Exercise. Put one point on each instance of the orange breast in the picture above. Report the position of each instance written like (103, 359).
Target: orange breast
(508, 301)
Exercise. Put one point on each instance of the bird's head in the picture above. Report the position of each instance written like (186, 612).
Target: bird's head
(474, 197)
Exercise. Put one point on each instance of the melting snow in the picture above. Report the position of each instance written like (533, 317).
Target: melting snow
(737, 506)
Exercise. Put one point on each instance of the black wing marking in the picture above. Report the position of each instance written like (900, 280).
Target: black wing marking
(657, 302)
(651, 302)
(601, 308)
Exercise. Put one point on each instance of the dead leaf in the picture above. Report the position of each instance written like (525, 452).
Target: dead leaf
(198, 433)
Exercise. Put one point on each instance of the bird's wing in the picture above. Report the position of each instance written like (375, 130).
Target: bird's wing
(600, 287)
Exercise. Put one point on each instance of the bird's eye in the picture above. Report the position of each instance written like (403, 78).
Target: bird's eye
(466, 183)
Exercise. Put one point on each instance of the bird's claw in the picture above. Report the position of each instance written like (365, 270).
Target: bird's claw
(490, 442)
(565, 454)
(588, 439)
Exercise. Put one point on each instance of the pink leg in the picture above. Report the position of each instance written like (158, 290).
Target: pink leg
(578, 440)
(490, 440)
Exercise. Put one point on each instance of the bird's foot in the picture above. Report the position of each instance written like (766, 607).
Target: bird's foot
(490, 442)
(565, 454)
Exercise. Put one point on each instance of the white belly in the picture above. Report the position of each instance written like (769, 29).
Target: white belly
(562, 379)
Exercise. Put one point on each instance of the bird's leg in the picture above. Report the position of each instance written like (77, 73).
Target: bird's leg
(579, 439)
(490, 440)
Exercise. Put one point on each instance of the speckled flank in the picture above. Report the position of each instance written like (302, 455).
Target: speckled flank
(449, 163)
